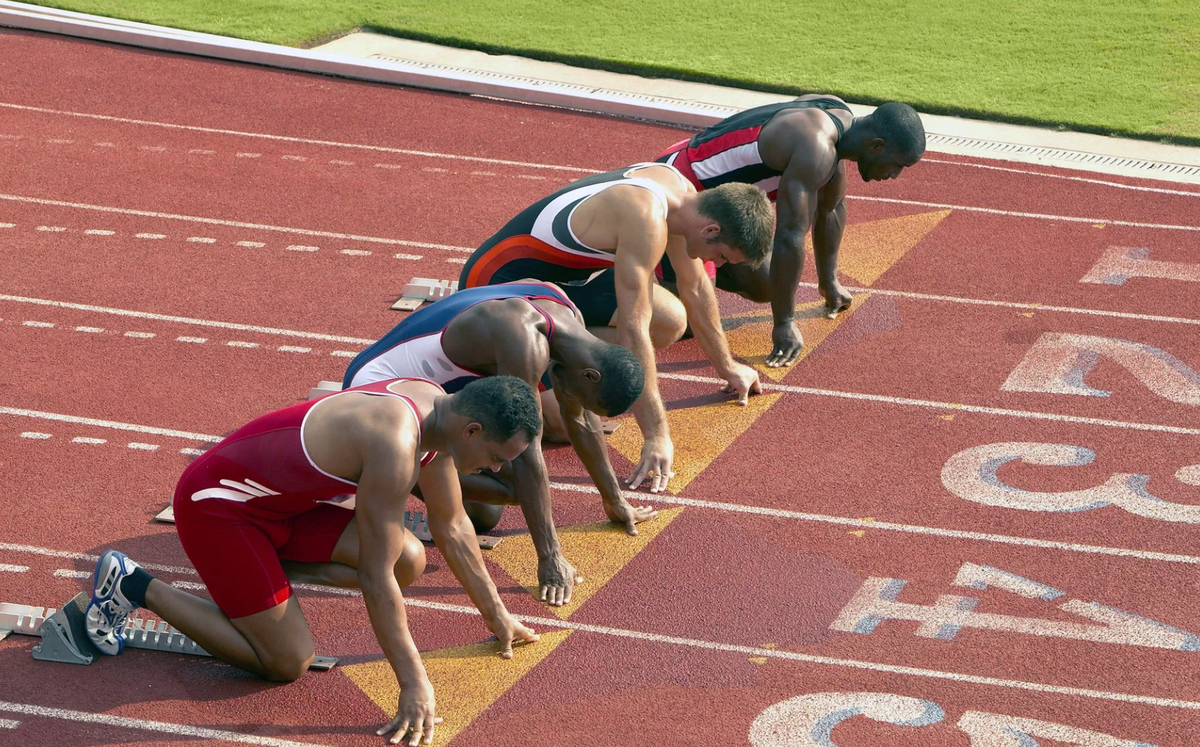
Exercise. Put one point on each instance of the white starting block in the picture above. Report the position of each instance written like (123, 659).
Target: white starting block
(420, 290)
(324, 387)
(64, 634)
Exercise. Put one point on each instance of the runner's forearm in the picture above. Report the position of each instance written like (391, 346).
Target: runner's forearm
(460, 548)
(531, 486)
(787, 262)
(385, 609)
(587, 438)
(827, 239)
(700, 301)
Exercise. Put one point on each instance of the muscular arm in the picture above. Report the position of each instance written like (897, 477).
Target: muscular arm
(827, 238)
(795, 212)
(700, 301)
(641, 239)
(379, 513)
(454, 535)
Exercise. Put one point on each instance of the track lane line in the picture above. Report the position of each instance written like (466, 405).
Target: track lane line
(709, 505)
(505, 162)
(161, 727)
(773, 653)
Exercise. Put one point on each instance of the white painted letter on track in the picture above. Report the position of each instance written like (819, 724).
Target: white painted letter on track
(1119, 263)
(971, 474)
(992, 730)
(1058, 363)
(809, 720)
(877, 601)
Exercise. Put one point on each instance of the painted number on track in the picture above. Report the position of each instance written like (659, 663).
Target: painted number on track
(809, 721)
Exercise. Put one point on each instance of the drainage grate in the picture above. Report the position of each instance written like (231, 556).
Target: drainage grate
(1058, 154)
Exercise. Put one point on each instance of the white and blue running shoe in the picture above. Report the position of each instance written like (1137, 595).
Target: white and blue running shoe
(109, 609)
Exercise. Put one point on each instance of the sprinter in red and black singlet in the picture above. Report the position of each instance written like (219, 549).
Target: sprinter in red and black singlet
(794, 150)
(259, 510)
(619, 225)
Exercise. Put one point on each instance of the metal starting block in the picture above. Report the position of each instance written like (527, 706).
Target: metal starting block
(324, 387)
(419, 290)
(65, 640)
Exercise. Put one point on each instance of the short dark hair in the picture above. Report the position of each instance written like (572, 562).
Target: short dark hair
(745, 216)
(900, 127)
(621, 377)
(503, 405)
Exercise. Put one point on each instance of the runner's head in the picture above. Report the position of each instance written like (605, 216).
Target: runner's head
(737, 225)
(605, 378)
(895, 141)
(496, 418)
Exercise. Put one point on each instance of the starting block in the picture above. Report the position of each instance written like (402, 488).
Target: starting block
(420, 290)
(64, 634)
(324, 387)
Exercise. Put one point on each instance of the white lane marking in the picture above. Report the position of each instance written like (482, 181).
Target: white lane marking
(90, 330)
(9, 723)
(68, 573)
(431, 169)
(293, 349)
(343, 353)
(249, 155)
(202, 152)
(152, 148)
(413, 257)
(356, 252)
(98, 232)
(5, 567)
(191, 452)
(240, 344)
(47, 552)
(106, 145)
(52, 229)
(306, 141)
(59, 141)
(303, 248)
(201, 240)
(162, 727)
(8, 225)
(115, 425)
(184, 320)
(954, 406)
(483, 173)
(151, 235)
(529, 176)
(889, 526)
(1033, 306)
(234, 223)
(32, 323)
(88, 440)
(1021, 214)
(140, 335)
(456, 260)
(1103, 182)
(137, 446)
(35, 435)
(774, 653)
(251, 244)
(193, 340)
(342, 163)
(294, 158)
(721, 506)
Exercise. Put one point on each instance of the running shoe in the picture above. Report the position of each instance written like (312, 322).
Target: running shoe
(109, 609)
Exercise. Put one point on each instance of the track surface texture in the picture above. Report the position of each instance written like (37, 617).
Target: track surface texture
(966, 517)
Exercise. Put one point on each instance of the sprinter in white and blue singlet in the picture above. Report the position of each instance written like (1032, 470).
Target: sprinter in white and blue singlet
(796, 151)
(532, 331)
(600, 239)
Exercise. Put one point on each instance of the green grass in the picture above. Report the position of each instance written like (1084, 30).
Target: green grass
(1129, 67)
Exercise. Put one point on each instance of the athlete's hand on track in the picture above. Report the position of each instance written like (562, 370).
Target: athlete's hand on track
(837, 299)
(508, 630)
(623, 513)
(414, 716)
(742, 381)
(786, 344)
(657, 456)
(557, 579)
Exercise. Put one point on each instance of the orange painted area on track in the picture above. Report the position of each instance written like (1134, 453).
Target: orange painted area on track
(965, 518)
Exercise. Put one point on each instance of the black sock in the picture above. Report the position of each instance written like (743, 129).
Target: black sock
(134, 586)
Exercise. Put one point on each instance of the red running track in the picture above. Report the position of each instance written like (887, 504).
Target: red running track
(966, 520)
